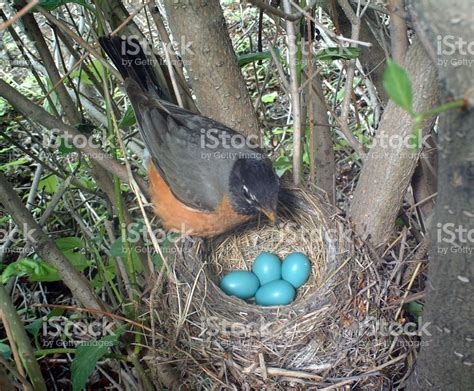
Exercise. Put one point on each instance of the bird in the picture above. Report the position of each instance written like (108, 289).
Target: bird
(204, 179)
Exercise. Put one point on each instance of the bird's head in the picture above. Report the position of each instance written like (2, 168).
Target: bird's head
(254, 187)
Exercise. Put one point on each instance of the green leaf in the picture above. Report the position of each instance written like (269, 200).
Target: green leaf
(65, 148)
(5, 351)
(399, 222)
(95, 68)
(34, 327)
(87, 183)
(87, 356)
(79, 73)
(247, 58)
(417, 132)
(50, 5)
(116, 249)
(18, 162)
(270, 98)
(69, 243)
(68, 246)
(398, 86)
(338, 53)
(108, 273)
(50, 184)
(35, 270)
(78, 260)
(157, 261)
(282, 164)
(137, 263)
(414, 308)
(128, 118)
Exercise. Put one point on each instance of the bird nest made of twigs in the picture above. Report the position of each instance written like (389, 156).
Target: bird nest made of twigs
(330, 336)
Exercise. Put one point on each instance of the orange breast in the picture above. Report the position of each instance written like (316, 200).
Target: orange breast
(188, 221)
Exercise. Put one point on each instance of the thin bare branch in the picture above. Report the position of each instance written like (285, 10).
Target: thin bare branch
(295, 96)
(398, 30)
(36, 113)
(18, 15)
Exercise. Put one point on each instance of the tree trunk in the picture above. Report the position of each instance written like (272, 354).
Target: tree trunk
(200, 32)
(324, 161)
(447, 355)
(391, 161)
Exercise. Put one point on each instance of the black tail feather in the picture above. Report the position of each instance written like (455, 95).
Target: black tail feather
(130, 60)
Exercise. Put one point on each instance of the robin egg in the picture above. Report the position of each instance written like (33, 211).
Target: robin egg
(241, 284)
(267, 267)
(296, 269)
(278, 292)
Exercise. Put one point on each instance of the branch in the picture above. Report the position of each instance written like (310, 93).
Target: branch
(398, 30)
(46, 248)
(37, 36)
(20, 343)
(285, 15)
(177, 64)
(350, 73)
(37, 114)
(295, 96)
(79, 40)
(18, 15)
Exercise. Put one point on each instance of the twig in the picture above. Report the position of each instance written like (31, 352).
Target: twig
(328, 32)
(37, 36)
(38, 114)
(369, 4)
(27, 386)
(11, 340)
(80, 41)
(350, 73)
(19, 341)
(50, 209)
(166, 41)
(282, 14)
(149, 267)
(312, 136)
(130, 17)
(280, 70)
(294, 94)
(19, 14)
(98, 312)
(398, 30)
(167, 50)
(46, 247)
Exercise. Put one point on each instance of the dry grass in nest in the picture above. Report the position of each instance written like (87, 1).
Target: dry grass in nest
(295, 232)
(323, 339)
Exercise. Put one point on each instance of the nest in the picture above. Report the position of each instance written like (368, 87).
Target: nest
(329, 337)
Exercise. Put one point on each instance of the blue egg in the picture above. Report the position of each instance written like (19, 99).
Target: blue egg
(296, 269)
(278, 292)
(240, 283)
(267, 267)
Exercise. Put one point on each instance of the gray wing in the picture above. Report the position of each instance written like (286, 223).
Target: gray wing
(193, 153)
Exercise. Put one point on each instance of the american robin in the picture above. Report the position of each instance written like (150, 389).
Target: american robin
(204, 178)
